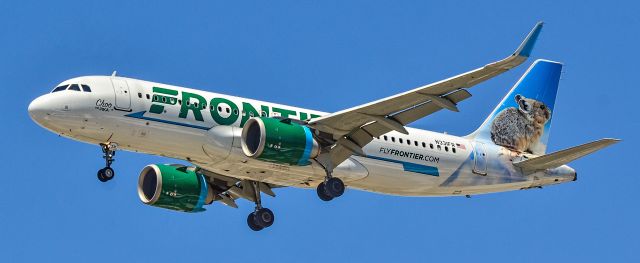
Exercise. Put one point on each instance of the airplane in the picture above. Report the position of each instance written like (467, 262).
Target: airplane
(243, 148)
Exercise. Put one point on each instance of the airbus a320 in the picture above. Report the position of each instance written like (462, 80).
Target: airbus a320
(244, 148)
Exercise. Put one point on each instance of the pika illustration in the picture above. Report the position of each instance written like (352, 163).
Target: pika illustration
(520, 128)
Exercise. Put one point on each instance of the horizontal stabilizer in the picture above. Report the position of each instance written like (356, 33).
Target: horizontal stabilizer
(562, 157)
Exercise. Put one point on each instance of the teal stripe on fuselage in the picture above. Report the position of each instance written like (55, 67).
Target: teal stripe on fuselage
(407, 166)
(411, 167)
(140, 115)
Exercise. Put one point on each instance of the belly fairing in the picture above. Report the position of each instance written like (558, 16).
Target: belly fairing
(218, 142)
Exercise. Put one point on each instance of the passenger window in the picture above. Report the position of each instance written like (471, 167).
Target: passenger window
(194, 104)
(446, 148)
(424, 145)
(415, 143)
(409, 142)
(400, 140)
(385, 137)
(453, 150)
(148, 96)
(235, 112)
(264, 114)
(439, 148)
(227, 110)
(74, 87)
(431, 145)
(219, 108)
(139, 95)
(60, 88)
(393, 139)
(180, 102)
(85, 88)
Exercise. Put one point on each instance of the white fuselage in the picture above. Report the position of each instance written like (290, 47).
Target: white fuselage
(422, 163)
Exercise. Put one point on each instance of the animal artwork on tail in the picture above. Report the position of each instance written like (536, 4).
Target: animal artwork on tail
(522, 120)
(520, 128)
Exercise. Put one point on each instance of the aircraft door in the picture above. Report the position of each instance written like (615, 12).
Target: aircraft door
(480, 158)
(123, 95)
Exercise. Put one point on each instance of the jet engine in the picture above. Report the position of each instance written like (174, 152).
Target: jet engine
(279, 141)
(174, 187)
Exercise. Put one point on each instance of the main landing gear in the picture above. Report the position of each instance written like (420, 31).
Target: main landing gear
(331, 188)
(261, 217)
(109, 150)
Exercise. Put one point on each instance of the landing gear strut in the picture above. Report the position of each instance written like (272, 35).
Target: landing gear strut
(107, 173)
(261, 217)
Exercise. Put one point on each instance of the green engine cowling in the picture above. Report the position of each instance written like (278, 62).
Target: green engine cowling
(173, 187)
(278, 141)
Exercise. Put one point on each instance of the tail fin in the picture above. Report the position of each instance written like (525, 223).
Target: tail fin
(522, 120)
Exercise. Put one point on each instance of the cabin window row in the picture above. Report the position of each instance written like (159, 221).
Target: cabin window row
(418, 144)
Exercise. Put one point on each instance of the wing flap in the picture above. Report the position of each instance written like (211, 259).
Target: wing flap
(562, 157)
(428, 108)
(228, 189)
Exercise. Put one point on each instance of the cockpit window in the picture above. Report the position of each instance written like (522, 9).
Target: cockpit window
(59, 88)
(74, 87)
(85, 88)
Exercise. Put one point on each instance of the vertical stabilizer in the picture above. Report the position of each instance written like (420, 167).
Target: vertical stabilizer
(522, 120)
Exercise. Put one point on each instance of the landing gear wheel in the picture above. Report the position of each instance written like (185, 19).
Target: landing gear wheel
(101, 176)
(251, 221)
(105, 174)
(264, 217)
(334, 187)
(322, 193)
(108, 173)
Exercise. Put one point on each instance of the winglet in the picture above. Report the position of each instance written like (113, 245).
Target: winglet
(524, 50)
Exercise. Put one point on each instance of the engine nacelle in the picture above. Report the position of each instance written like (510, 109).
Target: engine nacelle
(174, 187)
(273, 140)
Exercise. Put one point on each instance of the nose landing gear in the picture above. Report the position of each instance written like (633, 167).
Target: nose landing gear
(109, 150)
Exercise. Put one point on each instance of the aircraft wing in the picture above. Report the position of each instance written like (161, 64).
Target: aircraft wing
(228, 189)
(353, 128)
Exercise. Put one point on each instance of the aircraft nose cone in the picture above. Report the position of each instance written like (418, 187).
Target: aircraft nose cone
(37, 109)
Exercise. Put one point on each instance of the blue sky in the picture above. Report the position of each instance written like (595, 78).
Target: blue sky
(325, 55)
